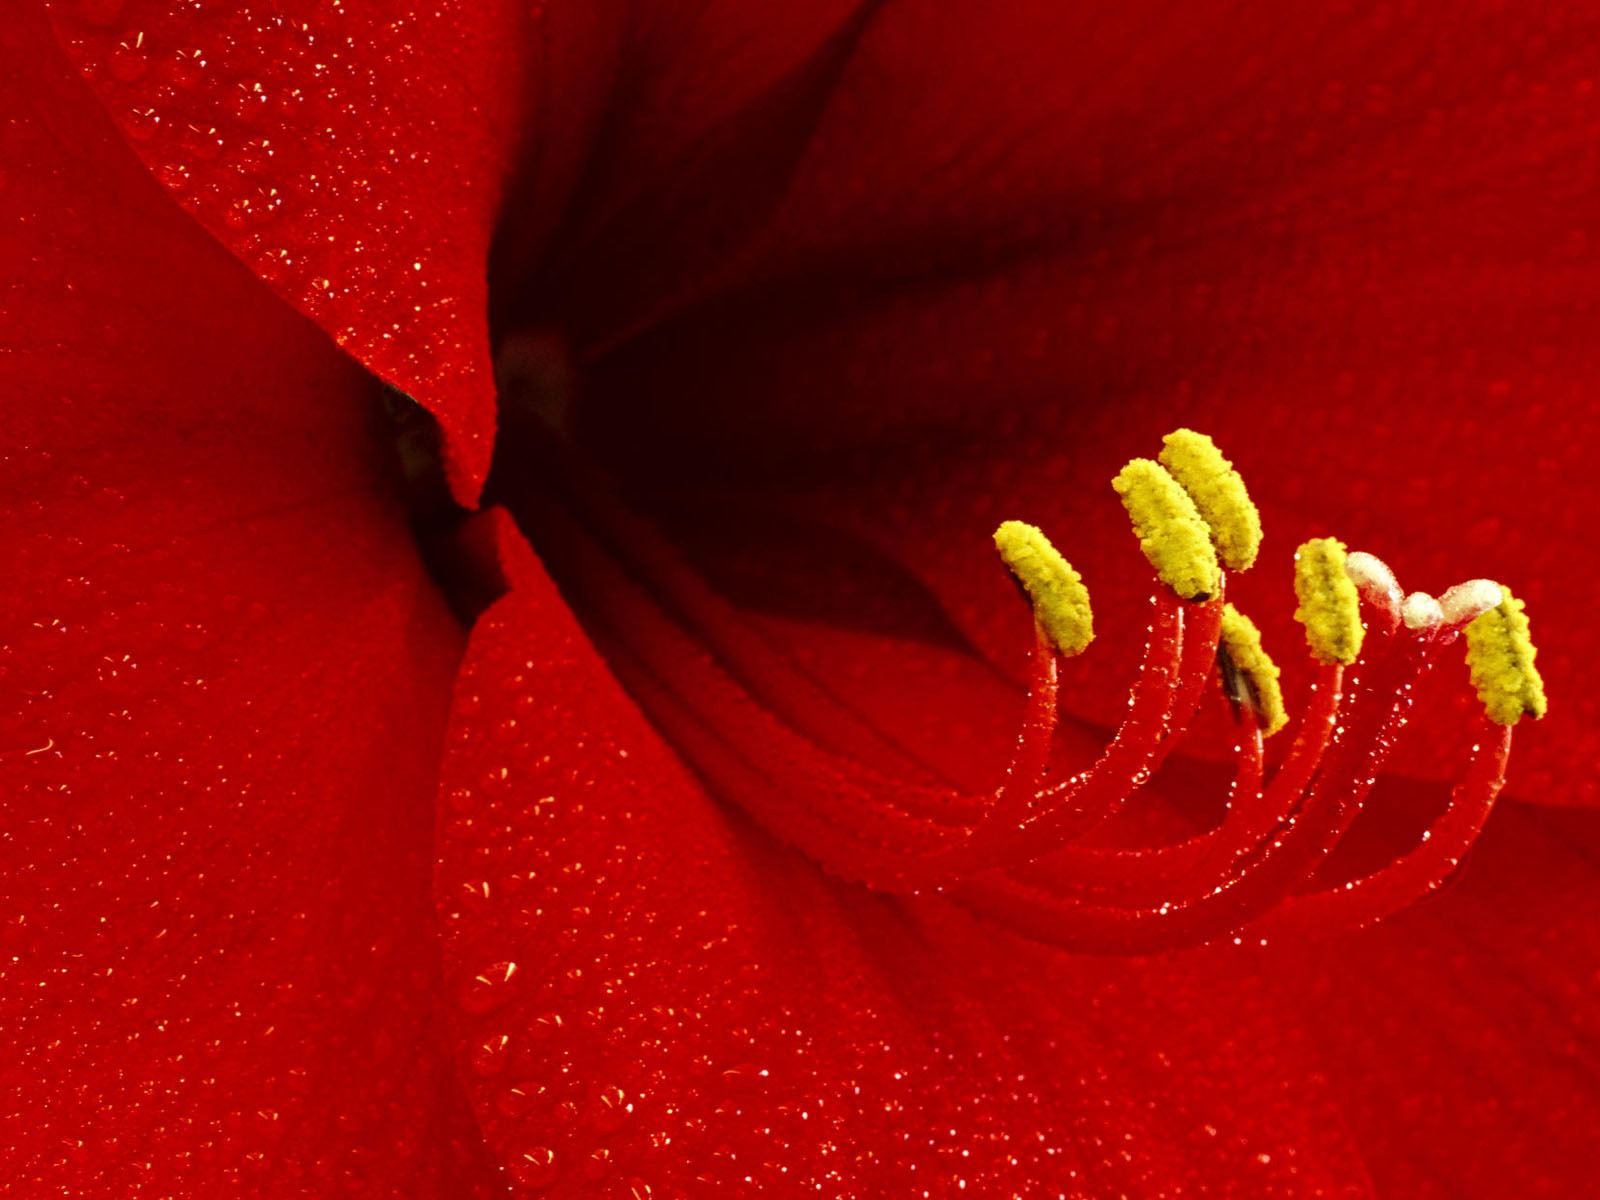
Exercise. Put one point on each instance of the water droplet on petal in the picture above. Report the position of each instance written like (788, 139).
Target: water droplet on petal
(188, 65)
(520, 1099)
(546, 1025)
(130, 59)
(203, 141)
(598, 1165)
(489, 988)
(609, 1109)
(142, 123)
(535, 1167)
(489, 1056)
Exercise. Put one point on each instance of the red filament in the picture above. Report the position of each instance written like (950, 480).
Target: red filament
(775, 742)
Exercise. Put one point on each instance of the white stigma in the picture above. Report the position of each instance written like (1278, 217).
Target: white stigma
(1468, 601)
(1421, 611)
(1373, 578)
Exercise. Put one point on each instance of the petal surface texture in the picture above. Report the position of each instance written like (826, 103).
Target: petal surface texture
(1009, 248)
(351, 156)
(225, 681)
(1462, 1036)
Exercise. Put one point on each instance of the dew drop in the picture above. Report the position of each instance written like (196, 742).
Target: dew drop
(489, 1056)
(142, 123)
(130, 59)
(188, 65)
(742, 1078)
(203, 141)
(275, 264)
(489, 988)
(609, 1109)
(535, 1167)
(248, 100)
(546, 1025)
(598, 1165)
(520, 1099)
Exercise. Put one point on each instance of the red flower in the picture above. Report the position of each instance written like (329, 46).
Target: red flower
(822, 296)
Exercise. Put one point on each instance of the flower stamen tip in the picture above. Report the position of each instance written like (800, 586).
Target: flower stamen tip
(1373, 579)
(1500, 654)
(1059, 598)
(1249, 675)
(1468, 601)
(1218, 493)
(1421, 611)
(1172, 533)
(1330, 607)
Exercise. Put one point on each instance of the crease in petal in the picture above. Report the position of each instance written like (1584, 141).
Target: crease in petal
(353, 158)
(223, 677)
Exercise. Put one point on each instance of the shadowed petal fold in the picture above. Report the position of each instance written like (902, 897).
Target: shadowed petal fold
(351, 156)
(224, 678)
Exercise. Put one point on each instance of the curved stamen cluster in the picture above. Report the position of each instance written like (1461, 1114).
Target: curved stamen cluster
(768, 737)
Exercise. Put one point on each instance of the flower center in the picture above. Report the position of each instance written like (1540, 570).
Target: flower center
(768, 738)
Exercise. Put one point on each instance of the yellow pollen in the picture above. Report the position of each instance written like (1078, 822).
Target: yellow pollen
(1171, 531)
(1060, 601)
(1330, 606)
(1500, 654)
(1218, 492)
(1248, 674)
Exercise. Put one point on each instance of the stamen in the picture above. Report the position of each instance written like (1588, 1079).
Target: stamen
(1262, 880)
(1248, 674)
(1439, 852)
(1153, 875)
(1060, 601)
(1218, 493)
(778, 742)
(1171, 532)
(1024, 825)
(1329, 604)
(1500, 654)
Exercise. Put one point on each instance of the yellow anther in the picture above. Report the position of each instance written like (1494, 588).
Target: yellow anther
(1248, 674)
(1060, 601)
(1330, 606)
(1218, 492)
(1171, 531)
(1500, 655)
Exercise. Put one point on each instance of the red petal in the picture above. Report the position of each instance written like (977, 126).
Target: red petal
(1021, 245)
(225, 678)
(690, 118)
(1473, 1016)
(351, 156)
(655, 999)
